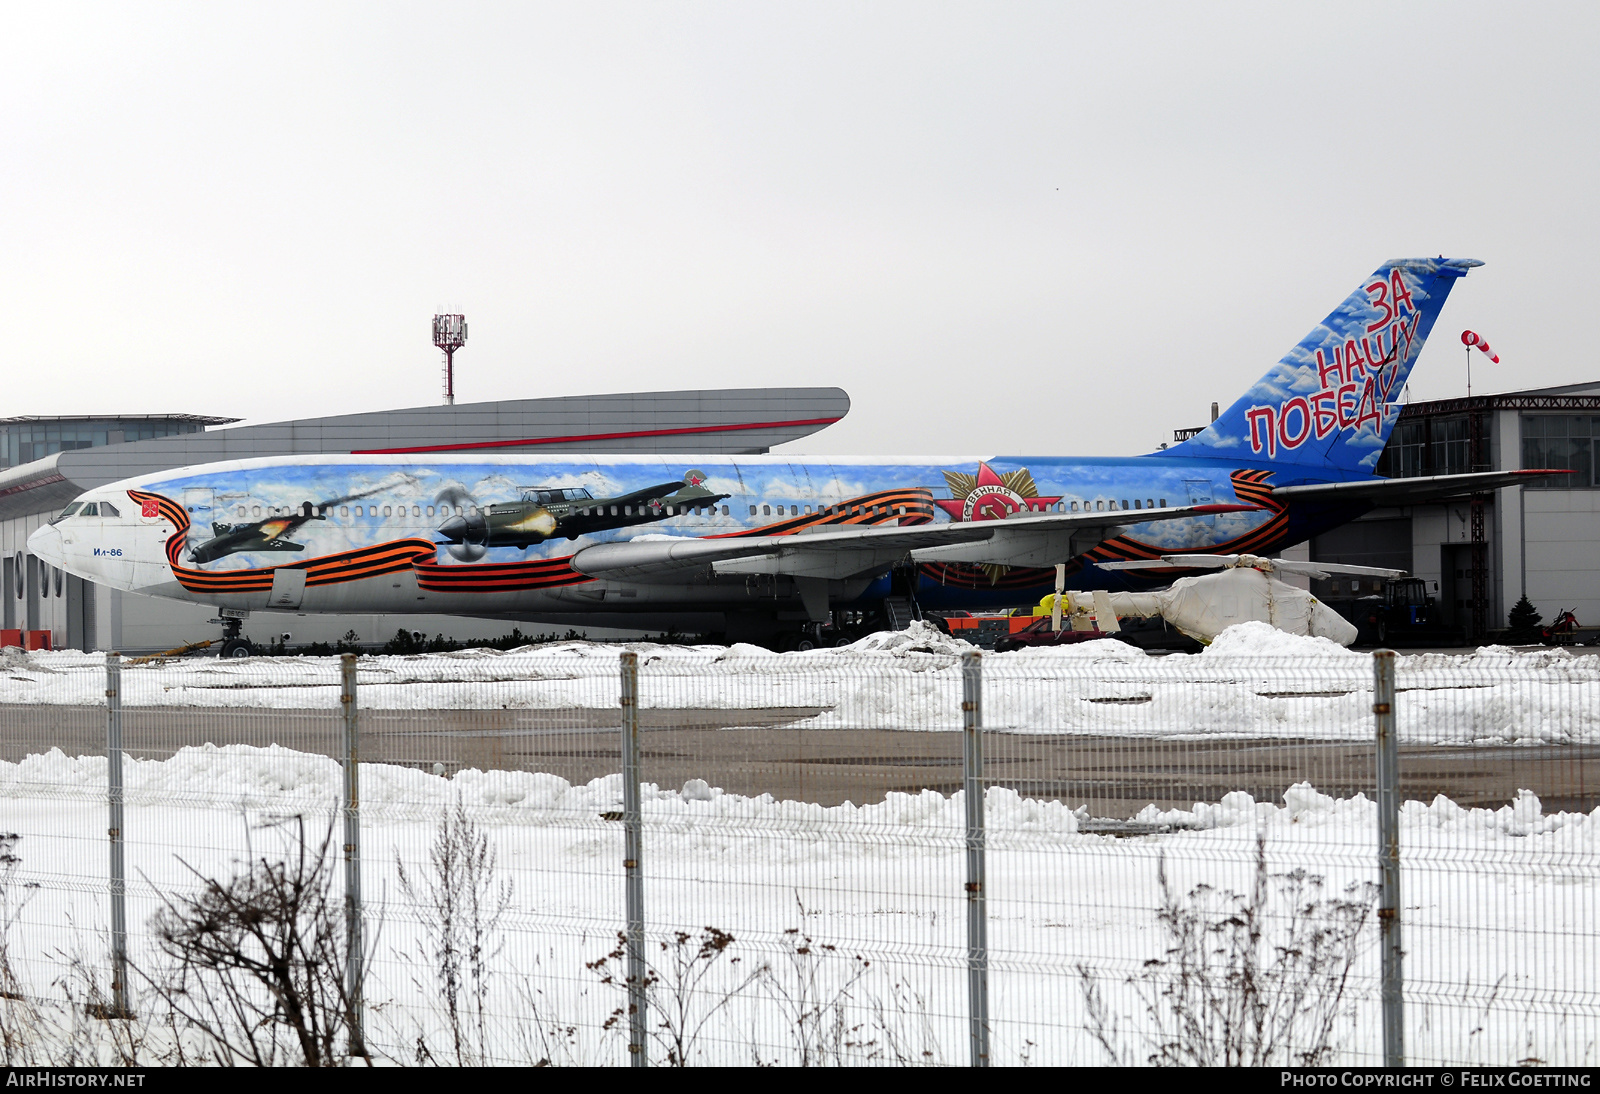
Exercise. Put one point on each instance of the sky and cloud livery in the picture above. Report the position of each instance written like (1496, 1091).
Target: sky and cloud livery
(1333, 399)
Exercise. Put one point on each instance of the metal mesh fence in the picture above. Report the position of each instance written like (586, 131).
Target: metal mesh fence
(1179, 855)
(1500, 833)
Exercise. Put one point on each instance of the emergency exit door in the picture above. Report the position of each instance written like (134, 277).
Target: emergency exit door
(1200, 493)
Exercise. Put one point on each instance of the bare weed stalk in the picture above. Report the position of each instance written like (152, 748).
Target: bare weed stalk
(813, 986)
(1224, 994)
(20, 1018)
(904, 1031)
(461, 904)
(679, 997)
(258, 961)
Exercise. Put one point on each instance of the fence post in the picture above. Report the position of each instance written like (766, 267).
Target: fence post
(119, 879)
(977, 907)
(633, 862)
(354, 973)
(1394, 1049)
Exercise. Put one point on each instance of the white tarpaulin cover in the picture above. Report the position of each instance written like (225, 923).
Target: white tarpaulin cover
(1203, 607)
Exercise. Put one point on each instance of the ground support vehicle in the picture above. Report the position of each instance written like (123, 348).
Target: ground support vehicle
(1567, 631)
(1405, 615)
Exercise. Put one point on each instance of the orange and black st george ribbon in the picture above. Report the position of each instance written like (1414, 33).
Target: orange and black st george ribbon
(342, 566)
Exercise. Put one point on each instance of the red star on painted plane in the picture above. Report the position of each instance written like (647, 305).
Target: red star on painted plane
(990, 496)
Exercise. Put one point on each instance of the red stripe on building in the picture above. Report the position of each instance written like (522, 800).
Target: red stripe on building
(48, 481)
(579, 438)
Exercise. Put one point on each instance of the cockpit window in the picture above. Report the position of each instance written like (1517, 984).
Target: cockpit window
(108, 510)
(89, 510)
(71, 509)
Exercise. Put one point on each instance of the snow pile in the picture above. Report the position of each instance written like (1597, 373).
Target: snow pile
(283, 781)
(1496, 918)
(919, 637)
(1253, 681)
(1258, 639)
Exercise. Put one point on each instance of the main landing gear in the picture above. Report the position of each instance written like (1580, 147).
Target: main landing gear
(234, 644)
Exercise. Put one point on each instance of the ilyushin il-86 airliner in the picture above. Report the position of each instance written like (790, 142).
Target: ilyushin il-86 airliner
(765, 548)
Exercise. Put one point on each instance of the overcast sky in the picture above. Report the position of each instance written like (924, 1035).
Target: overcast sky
(1019, 228)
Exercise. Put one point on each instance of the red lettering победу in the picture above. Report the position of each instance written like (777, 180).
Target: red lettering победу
(1325, 419)
(1295, 441)
(1257, 416)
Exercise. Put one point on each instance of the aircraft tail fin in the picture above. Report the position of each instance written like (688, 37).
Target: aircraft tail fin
(1329, 402)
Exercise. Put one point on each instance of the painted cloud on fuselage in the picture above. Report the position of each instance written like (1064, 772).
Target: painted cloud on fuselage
(395, 501)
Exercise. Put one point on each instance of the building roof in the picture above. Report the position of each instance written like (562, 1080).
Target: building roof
(716, 421)
(1566, 397)
(203, 419)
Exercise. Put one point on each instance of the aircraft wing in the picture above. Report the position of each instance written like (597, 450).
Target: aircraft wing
(1043, 540)
(659, 490)
(1404, 491)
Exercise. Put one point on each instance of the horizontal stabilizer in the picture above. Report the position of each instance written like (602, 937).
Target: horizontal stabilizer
(1410, 490)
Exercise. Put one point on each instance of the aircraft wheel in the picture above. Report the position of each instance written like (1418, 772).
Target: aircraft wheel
(803, 643)
(238, 647)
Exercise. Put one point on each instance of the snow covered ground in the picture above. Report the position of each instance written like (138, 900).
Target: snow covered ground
(1253, 681)
(1499, 904)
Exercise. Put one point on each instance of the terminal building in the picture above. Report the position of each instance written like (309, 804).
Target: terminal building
(46, 462)
(1480, 553)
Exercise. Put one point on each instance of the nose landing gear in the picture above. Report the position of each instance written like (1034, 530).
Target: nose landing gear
(233, 643)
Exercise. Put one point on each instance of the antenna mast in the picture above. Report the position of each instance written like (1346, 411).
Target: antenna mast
(449, 334)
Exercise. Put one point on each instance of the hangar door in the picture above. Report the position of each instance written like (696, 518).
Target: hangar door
(1384, 542)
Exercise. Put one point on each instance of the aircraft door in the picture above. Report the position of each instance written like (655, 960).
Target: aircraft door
(1201, 493)
(288, 587)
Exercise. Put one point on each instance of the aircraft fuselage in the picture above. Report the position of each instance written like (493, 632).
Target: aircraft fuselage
(398, 548)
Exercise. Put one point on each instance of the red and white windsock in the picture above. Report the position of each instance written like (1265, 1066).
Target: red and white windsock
(1468, 338)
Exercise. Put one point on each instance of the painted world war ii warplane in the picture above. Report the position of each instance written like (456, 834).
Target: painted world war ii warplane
(257, 535)
(547, 512)
(267, 534)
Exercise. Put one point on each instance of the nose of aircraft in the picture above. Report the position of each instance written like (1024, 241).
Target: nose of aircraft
(46, 544)
(454, 529)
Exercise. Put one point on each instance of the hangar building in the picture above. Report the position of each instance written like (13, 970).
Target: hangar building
(45, 462)
(1480, 553)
